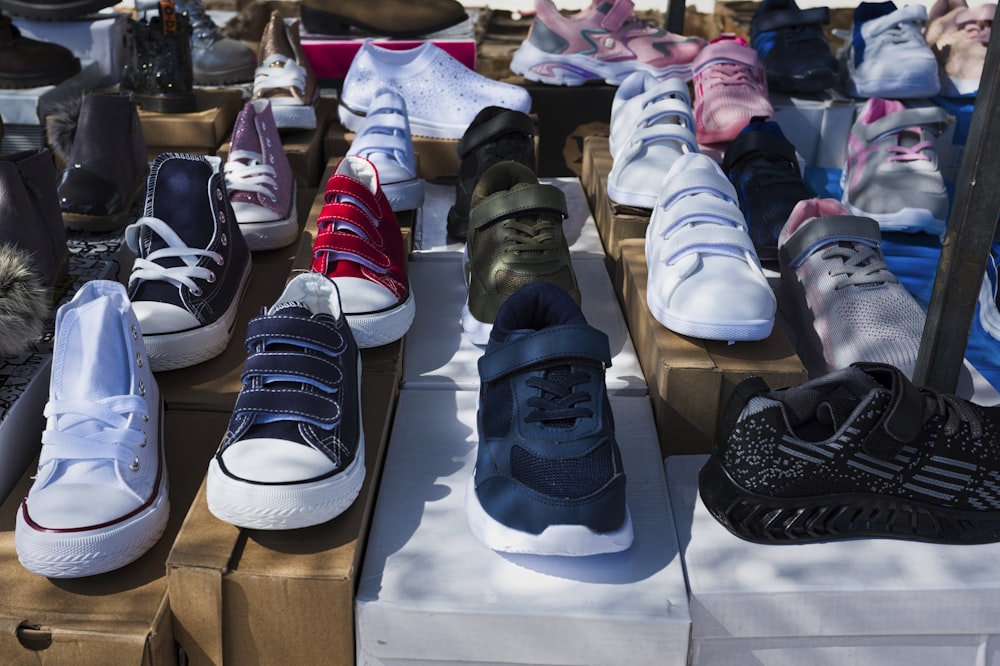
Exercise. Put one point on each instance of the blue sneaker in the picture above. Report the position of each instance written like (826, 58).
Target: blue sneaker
(294, 454)
(793, 47)
(549, 477)
(763, 167)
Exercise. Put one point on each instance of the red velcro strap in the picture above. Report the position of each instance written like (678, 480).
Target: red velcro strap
(339, 215)
(343, 242)
(355, 189)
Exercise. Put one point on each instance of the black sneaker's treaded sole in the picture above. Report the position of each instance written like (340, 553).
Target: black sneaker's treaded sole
(764, 519)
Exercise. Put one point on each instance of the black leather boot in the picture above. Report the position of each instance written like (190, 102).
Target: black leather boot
(392, 18)
(29, 63)
(106, 167)
(54, 10)
(160, 71)
(32, 247)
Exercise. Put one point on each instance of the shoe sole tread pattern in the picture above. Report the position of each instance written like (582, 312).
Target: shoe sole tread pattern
(577, 69)
(763, 519)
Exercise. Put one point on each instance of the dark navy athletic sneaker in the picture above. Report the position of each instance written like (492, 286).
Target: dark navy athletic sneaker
(793, 47)
(762, 166)
(860, 452)
(549, 477)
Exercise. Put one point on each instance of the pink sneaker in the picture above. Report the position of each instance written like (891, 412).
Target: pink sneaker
(605, 41)
(730, 88)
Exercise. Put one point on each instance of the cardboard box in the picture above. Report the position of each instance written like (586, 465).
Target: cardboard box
(304, 148)
(440, 356)
(817, 126)
(691, 379)
(200, 132)
(862, 601)
(97, 37)
(252, 596)
(615, 222)
(123, 616)
(431, 593)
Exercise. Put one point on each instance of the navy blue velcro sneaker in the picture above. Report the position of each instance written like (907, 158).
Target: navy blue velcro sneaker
(549, 477)
(859, 452)
(792, 45)
(293, 455)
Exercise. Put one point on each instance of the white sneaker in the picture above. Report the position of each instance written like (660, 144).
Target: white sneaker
(705, 279)
(99, 499)
(634, 101)
(442, 95)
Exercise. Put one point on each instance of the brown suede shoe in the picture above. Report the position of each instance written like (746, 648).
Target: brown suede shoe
(29, 63)
(391, 18)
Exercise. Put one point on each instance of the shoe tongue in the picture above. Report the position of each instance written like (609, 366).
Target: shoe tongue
(180, 198)
(292, 308)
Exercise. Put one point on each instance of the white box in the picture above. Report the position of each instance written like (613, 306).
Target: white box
(431, 234)
(430, 592)
(29, 106)
(440, 356)
(97, 37)
(861, 602)
(818, 126)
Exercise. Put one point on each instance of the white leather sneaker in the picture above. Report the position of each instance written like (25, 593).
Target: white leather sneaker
(99, 499)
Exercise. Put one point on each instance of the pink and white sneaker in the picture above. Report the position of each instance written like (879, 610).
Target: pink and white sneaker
(730, 88)
(603, 42)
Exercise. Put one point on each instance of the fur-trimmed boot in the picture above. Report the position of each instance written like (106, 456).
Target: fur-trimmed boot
(32, 247)
(106, 163)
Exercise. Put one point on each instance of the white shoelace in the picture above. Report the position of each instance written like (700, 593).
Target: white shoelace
(147, 268)
(280, 72)
(246, 172)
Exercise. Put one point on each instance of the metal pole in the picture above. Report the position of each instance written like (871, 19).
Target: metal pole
(967, 240)
(675, 16)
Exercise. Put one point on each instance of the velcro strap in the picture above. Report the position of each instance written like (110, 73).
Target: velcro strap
(346, 245)
(549, 344)
(311, 333)
(377, 142)
(510, 121)
(902, 420)
(753, 143)
(695, 181)
(510, 203)
(934, 117)
(825, 231)
(786, 18)
(621, 11)
(666, 108)
(660, 133)
(907, 13)
(709, 238)
(340, 215)
(296, 403)
(319, 371)
(696, 209)
(354, 189)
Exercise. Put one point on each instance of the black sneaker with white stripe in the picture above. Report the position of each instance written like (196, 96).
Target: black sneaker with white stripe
(860, 452)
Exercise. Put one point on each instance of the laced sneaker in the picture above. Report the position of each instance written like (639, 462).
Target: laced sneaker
(284, 75)
(99, 498)
(549, 478)
(705, 279)
(793, 47)
(605, 41)
(958, 35)
(495, 135)
(384, 139)
(886, 54)
(841, 302)
(730, 88)
(359, 245)
(763, 167)
(515, 238)
(861, 452)
(891, 171)
(293, 455)
(259, 178)
(192, 265)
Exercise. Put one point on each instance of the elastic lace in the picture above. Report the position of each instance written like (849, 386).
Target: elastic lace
(729, 74)
(279, 72)
(903, 153)
(862, 265)
(147, 268)
(536, 236)
(112, 440)
(559, 397)
(246, 172)
(955, 411)
(902, 33)
(772, 170)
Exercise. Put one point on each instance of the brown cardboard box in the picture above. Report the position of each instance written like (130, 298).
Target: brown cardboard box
(303, 147)
(691, 379)
(121, 617)
(615, 223)
(200, 132)
(256, 597)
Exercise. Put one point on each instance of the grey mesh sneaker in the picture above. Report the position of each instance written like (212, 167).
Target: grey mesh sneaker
(515, 238)
(838, 297)
(891, 172)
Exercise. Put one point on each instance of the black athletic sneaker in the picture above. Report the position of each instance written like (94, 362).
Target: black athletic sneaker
(861, 452)
(792, 46)
(763, 167)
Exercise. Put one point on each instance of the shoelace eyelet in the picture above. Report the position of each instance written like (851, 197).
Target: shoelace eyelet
(135, 465)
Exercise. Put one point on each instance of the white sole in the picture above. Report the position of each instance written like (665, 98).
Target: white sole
(727, 331)
(374, 329)
(353, 120)
(576, 69)
(273, 234)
